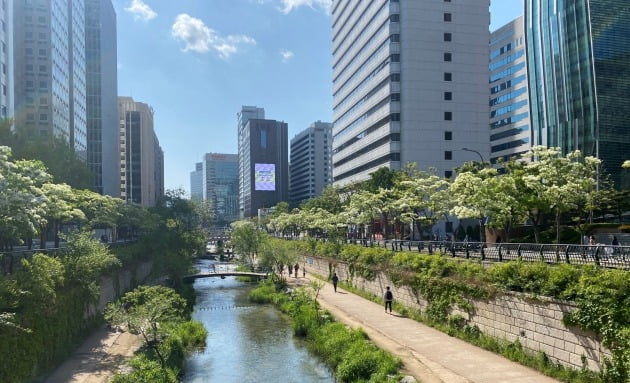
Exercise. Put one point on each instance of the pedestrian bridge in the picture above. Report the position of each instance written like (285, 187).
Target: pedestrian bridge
(222, 274)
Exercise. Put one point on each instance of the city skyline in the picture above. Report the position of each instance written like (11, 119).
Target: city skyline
(197, 64)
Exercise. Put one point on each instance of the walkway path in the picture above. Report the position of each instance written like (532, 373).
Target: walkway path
(100, 356)
(429, 355)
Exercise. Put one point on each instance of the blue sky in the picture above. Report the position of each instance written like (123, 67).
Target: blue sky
(197, 61)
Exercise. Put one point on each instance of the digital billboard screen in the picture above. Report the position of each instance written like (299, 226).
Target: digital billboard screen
(265, 177)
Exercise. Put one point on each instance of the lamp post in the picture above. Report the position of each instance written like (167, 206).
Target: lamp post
(482, 219)
(474, 151)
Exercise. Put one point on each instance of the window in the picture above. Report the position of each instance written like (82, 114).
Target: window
(43, 117)
(448, 17)
(263, 138)
(394, 18)
(395, 77)
(395, 97)
(448, 155)
(448, 56)
(448, 76)
(448, 96)
(448, 174)
(448, 36)
(394, 38)
(395, 58)
(448, 136)
(448, 116)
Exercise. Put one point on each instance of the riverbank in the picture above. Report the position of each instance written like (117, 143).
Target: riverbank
(427, 354)
(102, 355)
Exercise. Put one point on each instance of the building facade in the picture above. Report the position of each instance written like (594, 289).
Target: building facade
(578, 56)
(246, 113)
(409, 85)
(141, 157)
(310, 169)
(510, 132)
(196, 182)
(102, 95)
(49, 70)
(263, 162)
(220, 186)
(6, 59)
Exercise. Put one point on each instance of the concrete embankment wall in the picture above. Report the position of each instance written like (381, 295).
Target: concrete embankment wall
(536, 324)
(121, 281)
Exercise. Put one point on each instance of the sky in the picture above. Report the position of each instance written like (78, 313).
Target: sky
(196, 62)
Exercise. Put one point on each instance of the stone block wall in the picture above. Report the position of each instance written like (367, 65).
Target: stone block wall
(112, 286)
(537, 324)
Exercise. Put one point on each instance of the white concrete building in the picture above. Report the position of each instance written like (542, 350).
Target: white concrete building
(410, 84)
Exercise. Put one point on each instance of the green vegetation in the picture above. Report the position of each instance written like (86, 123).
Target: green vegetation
(47, 303)
(161, 317)
(602, 297)
(554, 190)
(348, 352)
(47, 306)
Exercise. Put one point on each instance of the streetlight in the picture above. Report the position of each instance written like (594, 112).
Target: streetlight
(482, 219)
(474, 151)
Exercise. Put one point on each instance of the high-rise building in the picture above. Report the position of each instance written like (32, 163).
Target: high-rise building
(220, 186)
(243, 116)
(263, 162)
(49, 70)
(311, 162)
(578, 55)
(6, 59)
(196, 182)
(410, 85)
(102, 95)
(141, 157)
(510, 133)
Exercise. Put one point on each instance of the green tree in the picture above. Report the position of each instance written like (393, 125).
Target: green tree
(148, 311)
(247, 241)
(60, 208)
(23, 200)
(560, 182)
(423, 199)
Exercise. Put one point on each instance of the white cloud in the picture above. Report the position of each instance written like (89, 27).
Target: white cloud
(289, 5)
(141, 11)
(286, 55)
(197, 37)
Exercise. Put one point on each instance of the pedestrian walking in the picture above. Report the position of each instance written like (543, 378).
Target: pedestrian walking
(296, 267)
(290, 267)
(303, 271)
(389, 298)
(335, 280)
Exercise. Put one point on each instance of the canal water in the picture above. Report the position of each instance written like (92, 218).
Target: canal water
(246, 342)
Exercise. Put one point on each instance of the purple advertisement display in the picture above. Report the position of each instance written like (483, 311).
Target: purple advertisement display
(265, 177)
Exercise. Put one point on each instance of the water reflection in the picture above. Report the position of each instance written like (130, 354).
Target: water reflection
(247, 343)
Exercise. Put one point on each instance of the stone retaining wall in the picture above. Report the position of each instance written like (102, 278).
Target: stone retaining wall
(537, 324)
(116, 284)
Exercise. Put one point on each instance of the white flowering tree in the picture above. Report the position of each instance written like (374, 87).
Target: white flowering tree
(560, 183)
(423, 199)
(21, 198)
(59, 208)
(474, 195)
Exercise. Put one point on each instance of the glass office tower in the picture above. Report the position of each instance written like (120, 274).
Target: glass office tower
(579, 74)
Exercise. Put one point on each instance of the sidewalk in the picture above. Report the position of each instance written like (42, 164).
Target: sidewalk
(429, 355)
(96, 361)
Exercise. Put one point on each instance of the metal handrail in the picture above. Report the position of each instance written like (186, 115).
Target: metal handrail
(610, 256)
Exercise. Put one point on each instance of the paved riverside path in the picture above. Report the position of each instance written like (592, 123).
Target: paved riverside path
(429, 355)
(98, 358)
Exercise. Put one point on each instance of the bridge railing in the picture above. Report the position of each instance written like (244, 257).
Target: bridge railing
(602, 255)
